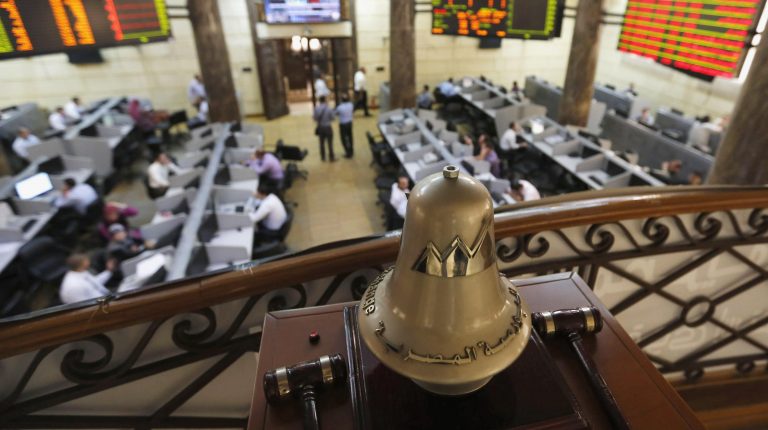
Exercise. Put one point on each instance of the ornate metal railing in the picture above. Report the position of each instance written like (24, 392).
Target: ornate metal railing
(682, 268)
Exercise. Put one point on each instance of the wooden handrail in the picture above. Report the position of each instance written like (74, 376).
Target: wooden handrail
(73, 323)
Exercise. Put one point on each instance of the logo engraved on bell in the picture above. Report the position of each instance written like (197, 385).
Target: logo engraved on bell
(369, 298)
(454, 260)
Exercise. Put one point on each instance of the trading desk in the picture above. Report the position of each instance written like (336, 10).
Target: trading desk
(548, 95)
(653, 147)
(503, 108)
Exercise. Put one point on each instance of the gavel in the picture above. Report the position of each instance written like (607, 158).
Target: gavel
(571, 324)
(303, 381)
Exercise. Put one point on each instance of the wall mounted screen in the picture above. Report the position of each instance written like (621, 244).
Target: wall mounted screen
(515, 19)
(35, 27)
(302, 11)
(702, 38)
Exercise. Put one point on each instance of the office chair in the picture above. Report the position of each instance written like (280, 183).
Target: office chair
(42, 261)
(267, 243)
(292, 154)
(381, 153)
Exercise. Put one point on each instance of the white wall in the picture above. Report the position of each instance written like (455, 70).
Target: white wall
(158, 71)
(438, 57)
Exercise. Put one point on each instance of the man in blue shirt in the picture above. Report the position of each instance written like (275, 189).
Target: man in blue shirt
(323, 116)
(448, 89)
(345, 111)
(425, 100)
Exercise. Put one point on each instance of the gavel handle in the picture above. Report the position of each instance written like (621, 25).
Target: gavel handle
(598, 384)
(309, 408)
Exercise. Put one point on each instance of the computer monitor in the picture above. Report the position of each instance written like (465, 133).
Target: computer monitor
(181, 208)
(33, 186)
(52, 166)
(222, 176)
(170, 238)
(469, 167)
(208, 229)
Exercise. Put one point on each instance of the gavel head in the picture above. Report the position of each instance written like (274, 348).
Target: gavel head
(566, 321)
(286, 382)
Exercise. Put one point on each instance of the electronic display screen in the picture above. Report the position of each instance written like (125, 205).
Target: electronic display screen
(514, 19)
(33, 186)
(702, 38)
(302, 11)
(35, 27)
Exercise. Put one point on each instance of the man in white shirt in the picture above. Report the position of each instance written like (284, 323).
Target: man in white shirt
(79, 284)
(361, 93)
(523, 191)
(448, 89)
(72, 109)
(159, 173)
(76, 196)
(57, 120)
(398, 197)
(270, 215)
(195, 90)
(508, 140)
(23, 141)
(321, 88)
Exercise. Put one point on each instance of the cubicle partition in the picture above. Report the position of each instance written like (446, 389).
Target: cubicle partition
(503, 108)
(652, 147)
(548, 95)
(598, 168)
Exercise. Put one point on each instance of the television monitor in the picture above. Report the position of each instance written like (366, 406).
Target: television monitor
(302, 11)
(702, 39)
(33, 186)
(36, 27)
(524, 19)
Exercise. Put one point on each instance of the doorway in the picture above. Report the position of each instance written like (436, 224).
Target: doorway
(305, 60)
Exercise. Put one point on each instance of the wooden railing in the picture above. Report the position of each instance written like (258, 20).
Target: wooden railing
(599, 234)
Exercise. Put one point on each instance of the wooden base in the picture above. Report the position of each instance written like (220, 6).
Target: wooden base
(529, 394)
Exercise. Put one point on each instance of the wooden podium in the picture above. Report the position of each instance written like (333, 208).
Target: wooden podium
(644, 396)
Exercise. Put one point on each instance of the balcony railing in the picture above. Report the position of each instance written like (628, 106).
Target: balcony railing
(681, 268)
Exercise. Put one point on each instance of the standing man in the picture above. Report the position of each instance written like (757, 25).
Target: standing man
(23, 141)
(345, 112)
(195, 90)
(361, 94)
(323, 116)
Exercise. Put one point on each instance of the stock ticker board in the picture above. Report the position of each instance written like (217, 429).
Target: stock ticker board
(704, 38)
(35, 27)
(514, 19)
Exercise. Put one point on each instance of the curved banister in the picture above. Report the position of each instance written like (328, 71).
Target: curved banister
(594, 207)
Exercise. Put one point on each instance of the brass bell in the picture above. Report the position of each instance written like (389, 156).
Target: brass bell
(444, 316)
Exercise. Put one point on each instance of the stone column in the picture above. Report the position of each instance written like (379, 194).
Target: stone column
(213, 57)
(402, 54)
(269, 64)
(582, 63)
(741, 159)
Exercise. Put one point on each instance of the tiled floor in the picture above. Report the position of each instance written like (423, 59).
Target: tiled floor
(338, 201)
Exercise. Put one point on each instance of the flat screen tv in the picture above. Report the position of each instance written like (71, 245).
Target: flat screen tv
(506, 19)
(302, 11)
(36, 27)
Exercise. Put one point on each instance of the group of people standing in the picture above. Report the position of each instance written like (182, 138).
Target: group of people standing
(324, 116)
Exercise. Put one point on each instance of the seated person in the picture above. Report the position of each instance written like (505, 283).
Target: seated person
(398, 197)
(508, 140)
(516, 89)
(57, 120)
(523, 191)
(645, 117)
(121, 246)
(425, 99)
(669, 172)
(267, 166)
(695, 178)
(630, 91)
(159, 173)
(73, 109)
(487, 153)
(117, 213)
(23, 141)
(79, 284)
(76, 196)
(267, 211)
(448, 89)
(201, 118)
